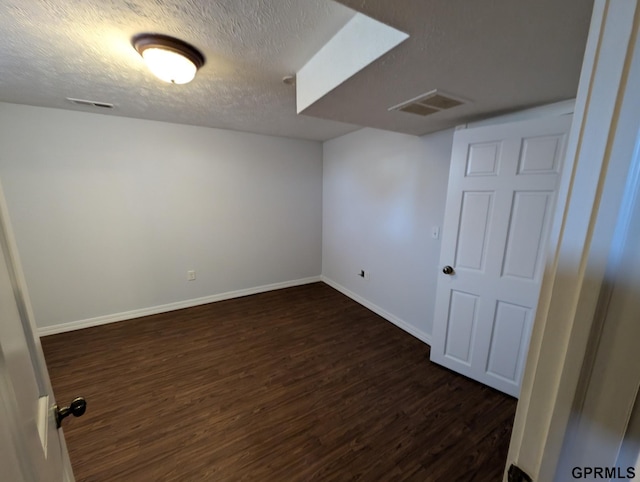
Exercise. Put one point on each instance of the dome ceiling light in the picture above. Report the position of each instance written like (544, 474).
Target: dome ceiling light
(168, 58)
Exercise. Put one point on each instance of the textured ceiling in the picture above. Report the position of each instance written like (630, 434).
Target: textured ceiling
(501, 54)
(53, 49)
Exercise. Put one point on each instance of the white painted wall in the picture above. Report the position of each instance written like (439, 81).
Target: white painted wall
(382, 193)
(110, 213)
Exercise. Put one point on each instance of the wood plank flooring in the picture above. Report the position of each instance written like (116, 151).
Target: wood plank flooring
(298, 384)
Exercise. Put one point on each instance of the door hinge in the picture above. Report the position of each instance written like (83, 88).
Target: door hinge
(516, 474)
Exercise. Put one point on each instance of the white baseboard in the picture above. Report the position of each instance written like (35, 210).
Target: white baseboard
(403, 325)
(154, 310)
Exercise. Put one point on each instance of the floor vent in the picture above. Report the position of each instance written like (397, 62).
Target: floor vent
(432, 102)
(90, 103)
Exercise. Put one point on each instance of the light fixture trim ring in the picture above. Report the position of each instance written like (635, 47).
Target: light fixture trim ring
(144, 41)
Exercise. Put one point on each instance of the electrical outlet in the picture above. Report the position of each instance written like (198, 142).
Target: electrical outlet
(191, 275)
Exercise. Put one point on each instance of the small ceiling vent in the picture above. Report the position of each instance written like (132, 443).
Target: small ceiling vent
(90, 103)
(432, 102)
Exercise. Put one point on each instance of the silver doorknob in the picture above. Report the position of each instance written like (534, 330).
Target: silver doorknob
(77, 408)
(447, 270)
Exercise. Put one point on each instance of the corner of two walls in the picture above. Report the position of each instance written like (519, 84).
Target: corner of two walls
(110, 213)
(383, 192)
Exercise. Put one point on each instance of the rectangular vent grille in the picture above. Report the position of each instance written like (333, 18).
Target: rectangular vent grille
(432, 102)
(419, 109)
(90, 103)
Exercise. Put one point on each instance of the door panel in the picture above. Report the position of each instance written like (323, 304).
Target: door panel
(540, 155)
(461, 327)
(510, 323)
(483, 159)
(501, 194)
(475, 218)
(525, 240)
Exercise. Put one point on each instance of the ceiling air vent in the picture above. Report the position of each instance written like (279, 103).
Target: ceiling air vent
(90, 103)
(432, 102)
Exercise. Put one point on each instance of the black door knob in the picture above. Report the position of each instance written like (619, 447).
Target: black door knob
(447, 270)
(77, 408)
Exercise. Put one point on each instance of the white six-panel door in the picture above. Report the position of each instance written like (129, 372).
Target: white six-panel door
(500, 201)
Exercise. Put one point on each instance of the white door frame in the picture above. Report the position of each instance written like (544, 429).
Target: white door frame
(601, 149)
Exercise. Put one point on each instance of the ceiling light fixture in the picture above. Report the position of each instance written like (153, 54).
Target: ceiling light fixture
(168, 58)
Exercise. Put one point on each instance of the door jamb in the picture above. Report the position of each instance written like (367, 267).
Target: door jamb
(589, 199)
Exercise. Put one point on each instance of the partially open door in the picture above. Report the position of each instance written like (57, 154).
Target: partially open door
(31, 446)
(500, 202)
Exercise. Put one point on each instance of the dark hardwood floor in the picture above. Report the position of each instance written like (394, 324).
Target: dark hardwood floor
(298, 384)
